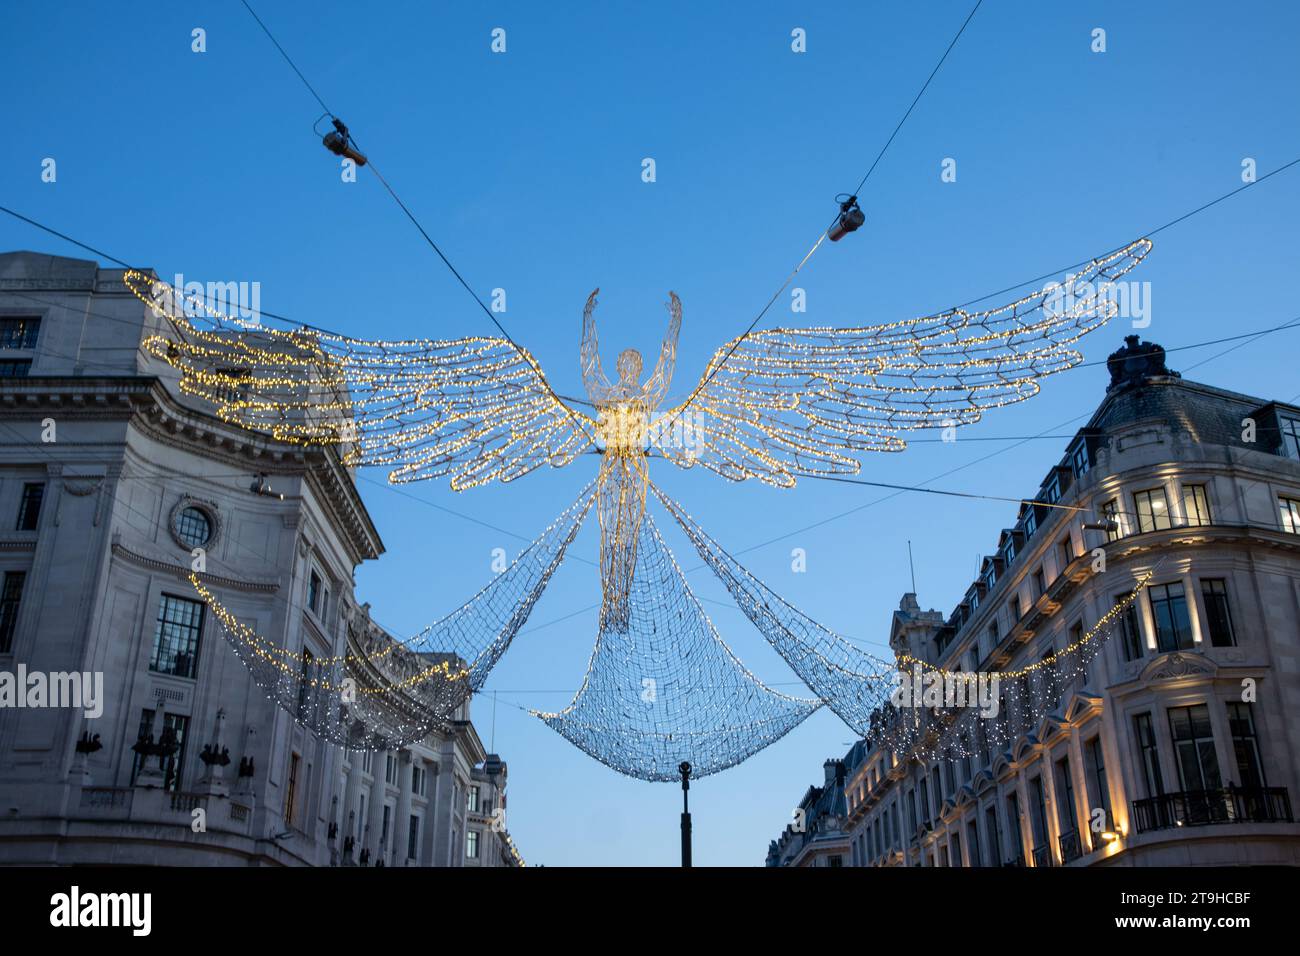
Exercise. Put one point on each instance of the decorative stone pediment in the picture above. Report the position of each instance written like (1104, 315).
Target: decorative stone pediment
(1024, 748)
(965, 797)
(1051, 727)
(984, 780)
(1002, 764)
(1178, 665)
(1083, 704)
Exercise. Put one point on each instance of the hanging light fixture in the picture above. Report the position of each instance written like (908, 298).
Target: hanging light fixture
(850, 218)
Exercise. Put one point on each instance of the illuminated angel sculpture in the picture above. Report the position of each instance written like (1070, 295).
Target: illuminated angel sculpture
(773, 405)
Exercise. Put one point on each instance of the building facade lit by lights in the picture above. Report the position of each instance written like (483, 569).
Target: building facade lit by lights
(110, 479)
(1172, 746)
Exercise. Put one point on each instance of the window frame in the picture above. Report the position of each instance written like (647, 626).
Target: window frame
(164, 598)
(1199, 493)
(29, 511)
(1290, 513)
(10, 607)
(1146, 494)
(1217, 588)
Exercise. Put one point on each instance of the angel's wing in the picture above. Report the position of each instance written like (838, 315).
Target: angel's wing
(476, 409)
(777, 404)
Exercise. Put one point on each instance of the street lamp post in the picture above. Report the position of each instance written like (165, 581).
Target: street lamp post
(685, 770)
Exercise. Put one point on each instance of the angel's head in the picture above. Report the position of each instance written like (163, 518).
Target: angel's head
(628, 366)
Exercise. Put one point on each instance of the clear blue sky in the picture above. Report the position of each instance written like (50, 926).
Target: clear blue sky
(526, 167)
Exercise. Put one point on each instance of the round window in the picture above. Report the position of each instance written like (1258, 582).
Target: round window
(193, 527)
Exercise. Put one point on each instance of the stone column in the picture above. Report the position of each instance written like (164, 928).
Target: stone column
(401, 825)
(372, 838)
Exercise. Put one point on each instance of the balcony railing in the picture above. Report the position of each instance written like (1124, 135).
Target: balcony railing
(1195, 808)
(1071, 847)
(1043, 855)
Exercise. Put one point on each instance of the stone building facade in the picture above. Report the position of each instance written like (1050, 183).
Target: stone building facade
(1174, 745)
(110, 479)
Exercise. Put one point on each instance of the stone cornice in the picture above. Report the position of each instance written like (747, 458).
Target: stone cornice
(183, 572)
(156, 412)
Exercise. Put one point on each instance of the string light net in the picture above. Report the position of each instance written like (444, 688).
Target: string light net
(858, 686)
(384, 692)
(853, 682)
(666, 688)
(1024, 697)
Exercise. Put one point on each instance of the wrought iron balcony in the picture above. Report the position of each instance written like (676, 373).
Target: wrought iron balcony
(1071, 847)
(1193, 808)
(1043, 855)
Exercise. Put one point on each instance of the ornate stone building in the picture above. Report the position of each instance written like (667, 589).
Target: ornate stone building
(1173, 746)
(816, 834)
(110, 479)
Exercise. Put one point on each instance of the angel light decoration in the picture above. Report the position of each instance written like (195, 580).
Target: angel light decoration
(773, 405)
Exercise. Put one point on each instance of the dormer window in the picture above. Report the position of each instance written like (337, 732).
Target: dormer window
(1290, 428)
(1079, 462)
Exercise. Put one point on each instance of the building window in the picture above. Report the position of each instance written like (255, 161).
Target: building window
(29, 509)
(1146, 740)
(19, 331)
(306, 682)
(1245, 744)
(1130, 629)
(1218, 620)
(1152, 508)
(176, 640)
(390, 769)
(1290, 436)
(472, 801)
(1040, 812)
(1066, 550)
(15, 368)
(1079, 463)
(417, 780)
(313, 592)
(1065, 812)
(471, 845)
(368, 761)
(1110, 514)
(1040, 584)
(1096, 758)
(175, 727)
(291, 792)
(1052, 491)
(993, 832)
(1173, 625)
(1014, 604)
(1196, 505)
(11, 595)
(413, 839)
(1016, 841)
(1290, 514)
(1076, 640)
(1198, 765)
(193, 527)
(1031, 522)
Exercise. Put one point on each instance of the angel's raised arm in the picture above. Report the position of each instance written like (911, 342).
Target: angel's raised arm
(593, 376)
(656, 388)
